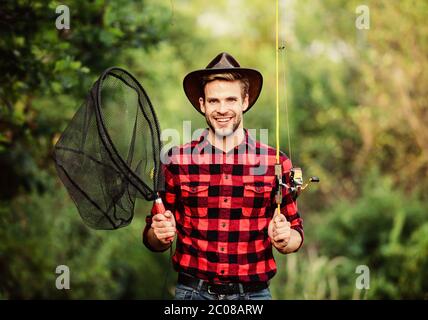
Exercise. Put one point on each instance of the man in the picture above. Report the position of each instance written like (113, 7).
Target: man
(220, 195)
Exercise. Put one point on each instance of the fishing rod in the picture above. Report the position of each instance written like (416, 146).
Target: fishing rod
(296, 183)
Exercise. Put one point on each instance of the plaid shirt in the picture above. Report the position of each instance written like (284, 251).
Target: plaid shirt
(223, 203)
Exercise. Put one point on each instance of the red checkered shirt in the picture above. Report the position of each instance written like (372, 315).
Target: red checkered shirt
(223, 203)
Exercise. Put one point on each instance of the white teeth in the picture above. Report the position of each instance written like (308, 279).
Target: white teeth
(223, 119)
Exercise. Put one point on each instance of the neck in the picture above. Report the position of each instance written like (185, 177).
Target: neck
(226, 143)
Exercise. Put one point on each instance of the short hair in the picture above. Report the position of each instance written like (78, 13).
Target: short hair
(229, 76)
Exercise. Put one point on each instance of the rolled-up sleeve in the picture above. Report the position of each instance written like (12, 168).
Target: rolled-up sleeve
(289, 203)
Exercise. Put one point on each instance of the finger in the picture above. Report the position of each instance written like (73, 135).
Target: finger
(280, 217)
(167, 224)
(281, 244)
(283, 229)
(165, 230)
(161, 224)
(159, 217)
(170, 216)
(166, 236)
(282, 236)
(282, 225)
(281, 241)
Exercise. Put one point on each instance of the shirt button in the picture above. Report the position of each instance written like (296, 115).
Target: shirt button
(225, 200)
(223, 224)
(222, 271)
(221, 249)
(226, 177)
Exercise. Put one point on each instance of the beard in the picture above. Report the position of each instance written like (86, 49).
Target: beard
(224, 132)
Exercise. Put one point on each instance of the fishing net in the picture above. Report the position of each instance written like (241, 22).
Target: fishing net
(109, 154)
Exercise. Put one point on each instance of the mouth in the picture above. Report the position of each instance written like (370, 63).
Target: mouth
(223, 120)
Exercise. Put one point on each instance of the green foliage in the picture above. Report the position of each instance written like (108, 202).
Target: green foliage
(46, 72)
(45, 76)
(383, 230)
(309, 276)
(40, 233)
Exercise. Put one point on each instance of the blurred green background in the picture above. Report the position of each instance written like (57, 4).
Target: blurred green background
(357, 110)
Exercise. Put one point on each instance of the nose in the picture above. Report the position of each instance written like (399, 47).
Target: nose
(222, 107)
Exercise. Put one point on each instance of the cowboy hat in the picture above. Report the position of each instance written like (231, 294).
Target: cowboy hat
(222, 63)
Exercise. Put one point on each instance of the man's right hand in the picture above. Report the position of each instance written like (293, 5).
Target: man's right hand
(163, 225)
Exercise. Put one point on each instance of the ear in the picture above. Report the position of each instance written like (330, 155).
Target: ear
(245, 103)
(202, 104)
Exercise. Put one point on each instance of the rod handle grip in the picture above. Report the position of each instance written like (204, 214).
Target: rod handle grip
(160, 208)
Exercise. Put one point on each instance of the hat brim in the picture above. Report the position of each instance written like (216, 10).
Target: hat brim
(193, 88)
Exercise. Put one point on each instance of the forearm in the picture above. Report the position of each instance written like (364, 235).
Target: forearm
(154, 242)
(293, 244)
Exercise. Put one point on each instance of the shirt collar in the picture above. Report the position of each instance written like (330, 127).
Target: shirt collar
(248, 143)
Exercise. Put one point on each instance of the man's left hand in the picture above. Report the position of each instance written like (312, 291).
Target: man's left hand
(279, 231)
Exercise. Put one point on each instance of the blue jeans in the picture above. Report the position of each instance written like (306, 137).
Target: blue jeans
(183, 292)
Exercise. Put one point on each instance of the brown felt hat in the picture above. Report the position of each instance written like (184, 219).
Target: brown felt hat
(222, 63)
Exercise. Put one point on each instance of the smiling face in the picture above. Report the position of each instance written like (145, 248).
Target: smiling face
(223, 106)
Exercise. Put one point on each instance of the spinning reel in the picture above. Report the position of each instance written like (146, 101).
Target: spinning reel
(295, 185)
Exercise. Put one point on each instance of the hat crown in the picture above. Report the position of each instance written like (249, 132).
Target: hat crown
(223, 60)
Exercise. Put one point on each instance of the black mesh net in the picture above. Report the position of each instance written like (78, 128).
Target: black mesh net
(110, 152)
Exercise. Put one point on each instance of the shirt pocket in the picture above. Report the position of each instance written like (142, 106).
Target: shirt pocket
(195, 199)
(257, 198)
